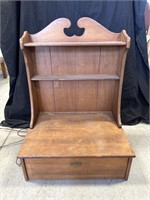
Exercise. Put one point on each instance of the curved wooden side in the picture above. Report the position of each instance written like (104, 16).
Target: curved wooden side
(32, 89)
(29, 71)
(118, 87)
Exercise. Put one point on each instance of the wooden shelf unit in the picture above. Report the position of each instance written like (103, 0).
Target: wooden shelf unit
(75, 86)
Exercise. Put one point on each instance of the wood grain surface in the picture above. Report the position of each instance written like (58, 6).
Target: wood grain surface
(72, 134)
(73, 168)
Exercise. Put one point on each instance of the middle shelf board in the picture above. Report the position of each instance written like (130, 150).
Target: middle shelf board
(75, 77)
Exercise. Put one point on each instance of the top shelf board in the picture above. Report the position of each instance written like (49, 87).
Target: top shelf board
(112, 43)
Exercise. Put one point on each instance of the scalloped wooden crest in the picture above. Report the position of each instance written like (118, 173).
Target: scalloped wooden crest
(94, 32)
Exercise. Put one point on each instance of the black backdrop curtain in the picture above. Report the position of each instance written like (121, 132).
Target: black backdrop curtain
(18, 16)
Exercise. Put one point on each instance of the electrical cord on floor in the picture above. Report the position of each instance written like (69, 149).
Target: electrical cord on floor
(12, 143)
(5, 140)
(13, 129)
(21, 131)
(5, 128)
(17, 142)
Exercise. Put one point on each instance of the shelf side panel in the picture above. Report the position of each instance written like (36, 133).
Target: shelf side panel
(29, 57)
(118, 86)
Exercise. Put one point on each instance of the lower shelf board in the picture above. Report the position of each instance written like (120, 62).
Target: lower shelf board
(76, 146)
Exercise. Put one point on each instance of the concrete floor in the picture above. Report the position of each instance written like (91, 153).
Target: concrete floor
(14, 187)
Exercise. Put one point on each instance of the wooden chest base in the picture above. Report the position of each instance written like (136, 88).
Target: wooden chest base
(76, 146)
(76, 168)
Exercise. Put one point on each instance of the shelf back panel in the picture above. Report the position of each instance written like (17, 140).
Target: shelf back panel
(75, 60)
(68, 96)
(61, 96)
